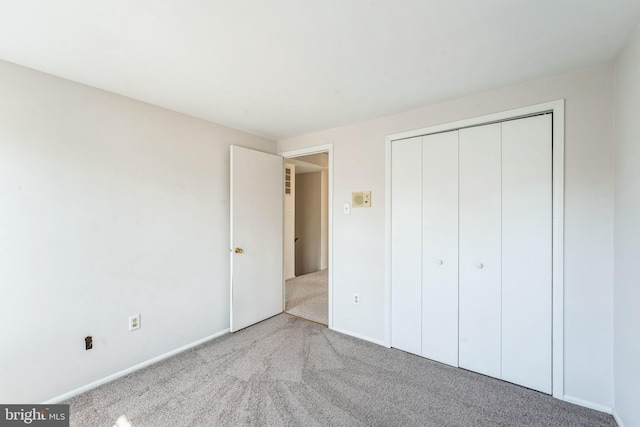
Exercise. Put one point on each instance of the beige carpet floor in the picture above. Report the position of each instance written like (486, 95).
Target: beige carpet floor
(307, 296)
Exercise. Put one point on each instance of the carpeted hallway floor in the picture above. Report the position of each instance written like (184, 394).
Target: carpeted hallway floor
(307, 296)
(286, 371)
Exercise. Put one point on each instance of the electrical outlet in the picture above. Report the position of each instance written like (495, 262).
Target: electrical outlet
(134, 322)
(356, 299)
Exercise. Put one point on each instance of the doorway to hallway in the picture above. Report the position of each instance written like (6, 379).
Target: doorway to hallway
(307, 234)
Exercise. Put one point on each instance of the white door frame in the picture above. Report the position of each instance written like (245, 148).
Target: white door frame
(557, 108)
(327, 148)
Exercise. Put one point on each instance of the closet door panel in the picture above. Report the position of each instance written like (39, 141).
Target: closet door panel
(526, 252)
(406, 245)
(440, 247)
(480, 257)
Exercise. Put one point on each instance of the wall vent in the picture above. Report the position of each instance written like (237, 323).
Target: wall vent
(287, 181)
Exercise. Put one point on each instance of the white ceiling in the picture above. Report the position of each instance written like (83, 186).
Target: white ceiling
(280, 68)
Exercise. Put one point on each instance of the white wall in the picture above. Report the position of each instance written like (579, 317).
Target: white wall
(308, 227)
(627, 236)
(359, 238)
(108, 207)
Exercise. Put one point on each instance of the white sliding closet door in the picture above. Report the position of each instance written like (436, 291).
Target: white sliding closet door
(480, 252)
(526, 252)
(440, 247)
(406, 245)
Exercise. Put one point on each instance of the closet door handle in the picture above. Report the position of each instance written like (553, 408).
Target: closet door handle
(479, 265)
(439, 261)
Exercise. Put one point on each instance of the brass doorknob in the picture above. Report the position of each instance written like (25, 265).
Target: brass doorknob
(238, 250)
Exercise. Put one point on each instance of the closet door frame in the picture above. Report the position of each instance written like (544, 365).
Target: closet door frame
(557, 109)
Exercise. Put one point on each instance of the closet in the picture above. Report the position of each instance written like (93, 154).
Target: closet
(471, 240)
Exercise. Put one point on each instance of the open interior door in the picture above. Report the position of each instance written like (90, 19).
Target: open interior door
(257, 280)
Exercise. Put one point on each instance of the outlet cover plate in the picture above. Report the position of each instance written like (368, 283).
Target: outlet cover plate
(134, 322)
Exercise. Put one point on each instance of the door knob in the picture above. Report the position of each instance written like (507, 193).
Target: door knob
(439, 261)
(479, 265)
(238, 250)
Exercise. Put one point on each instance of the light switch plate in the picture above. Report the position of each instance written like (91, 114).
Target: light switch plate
(347, 209)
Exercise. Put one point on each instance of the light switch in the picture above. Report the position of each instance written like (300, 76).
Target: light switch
(347, 208)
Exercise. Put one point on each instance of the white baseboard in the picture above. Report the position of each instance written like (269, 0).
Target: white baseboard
(362, 337)
(587, 404)
(127, 371)
(617, 418)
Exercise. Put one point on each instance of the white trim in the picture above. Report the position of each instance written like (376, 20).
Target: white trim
(616, 417)
(134, 368)
(387, 248)
(558, 250)
(361, 337)
(231, 238)
(307, 151)
(481, 120)
(557, 108)
(587, 404)
(326, 148)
